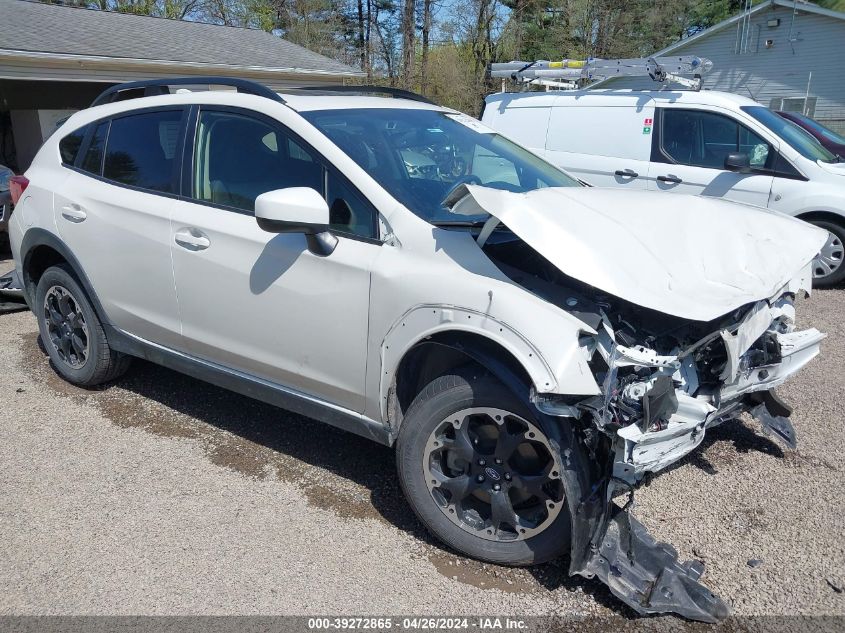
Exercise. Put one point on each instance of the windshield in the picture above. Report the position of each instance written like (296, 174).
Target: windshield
(791, 133)
(819, 129)
(419, 156)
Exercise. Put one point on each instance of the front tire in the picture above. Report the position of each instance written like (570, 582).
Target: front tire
(71, 332)
(482, 472)
(829, 265)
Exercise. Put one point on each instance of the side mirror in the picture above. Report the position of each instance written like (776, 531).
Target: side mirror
(738, 162)
(297, 210)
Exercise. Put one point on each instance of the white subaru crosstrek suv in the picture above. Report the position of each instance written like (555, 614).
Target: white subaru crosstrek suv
(397, 269)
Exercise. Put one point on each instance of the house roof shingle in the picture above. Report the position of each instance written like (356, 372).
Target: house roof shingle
(49, 28)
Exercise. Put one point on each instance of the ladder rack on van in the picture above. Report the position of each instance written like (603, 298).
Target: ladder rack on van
(659, 69)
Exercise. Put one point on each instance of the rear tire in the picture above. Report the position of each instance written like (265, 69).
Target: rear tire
(442, 478)
(71, 332)
(829, 266)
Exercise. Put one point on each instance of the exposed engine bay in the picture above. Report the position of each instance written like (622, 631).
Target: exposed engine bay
(666, 379)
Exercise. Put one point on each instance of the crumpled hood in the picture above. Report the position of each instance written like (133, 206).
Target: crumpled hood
(694, 257)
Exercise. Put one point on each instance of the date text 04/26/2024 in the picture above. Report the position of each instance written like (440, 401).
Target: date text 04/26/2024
(417, 623)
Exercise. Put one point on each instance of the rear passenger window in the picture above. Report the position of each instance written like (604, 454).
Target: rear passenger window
(92, 162)
(70, 144)
(237, 158)
(141, 150)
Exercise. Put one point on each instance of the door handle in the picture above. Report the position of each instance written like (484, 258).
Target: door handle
(73, 213)
(192, 239)
(626, 173)
(673, 179)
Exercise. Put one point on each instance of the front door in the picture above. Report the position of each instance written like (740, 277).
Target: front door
(689, 151)
(262, 303)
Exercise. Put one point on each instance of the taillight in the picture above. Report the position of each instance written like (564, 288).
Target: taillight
(17, 185)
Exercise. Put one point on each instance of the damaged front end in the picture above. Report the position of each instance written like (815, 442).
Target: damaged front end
(665, 381)
(662, 390)
(687, 325)
(658, 403)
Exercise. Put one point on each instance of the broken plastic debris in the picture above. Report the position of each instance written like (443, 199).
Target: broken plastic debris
(777, 425)
(647, 576)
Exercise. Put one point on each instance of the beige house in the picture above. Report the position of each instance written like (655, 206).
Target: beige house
(56, 59)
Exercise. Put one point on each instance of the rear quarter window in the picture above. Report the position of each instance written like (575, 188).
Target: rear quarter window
(92, 162)
(70, 144)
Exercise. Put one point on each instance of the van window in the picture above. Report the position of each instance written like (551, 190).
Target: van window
(704, 139)
(141, 150)
(93, 159)
(70, 144)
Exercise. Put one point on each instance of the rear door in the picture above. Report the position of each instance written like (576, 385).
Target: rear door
(689, 150)
(603, 145)
(114, 214)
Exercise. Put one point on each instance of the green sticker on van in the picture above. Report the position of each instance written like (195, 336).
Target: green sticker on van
(647, 129)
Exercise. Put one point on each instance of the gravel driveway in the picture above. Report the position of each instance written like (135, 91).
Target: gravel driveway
(160, 494)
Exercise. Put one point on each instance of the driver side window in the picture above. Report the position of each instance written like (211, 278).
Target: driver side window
(238, 157)
(704, 139)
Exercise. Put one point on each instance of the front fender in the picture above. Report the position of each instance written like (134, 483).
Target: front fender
(424, 321)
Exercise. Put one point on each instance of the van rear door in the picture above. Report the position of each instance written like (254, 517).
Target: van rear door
(601, 143)
(523, 118)
(689, 152)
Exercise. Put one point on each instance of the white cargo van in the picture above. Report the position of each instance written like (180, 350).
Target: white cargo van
(708, 143)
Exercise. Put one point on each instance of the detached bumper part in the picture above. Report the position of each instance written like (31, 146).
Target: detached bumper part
(11, 293)
(774, 420)
(647, 576)
(10, 284)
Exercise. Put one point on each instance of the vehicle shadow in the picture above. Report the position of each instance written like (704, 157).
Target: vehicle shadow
(300, 442)
(258, 425)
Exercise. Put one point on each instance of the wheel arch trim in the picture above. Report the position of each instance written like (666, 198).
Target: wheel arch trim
(425, 321)
(38, 237)
(822, 214)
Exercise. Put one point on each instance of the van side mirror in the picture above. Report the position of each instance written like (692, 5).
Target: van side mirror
(297, 210)
(738, 162)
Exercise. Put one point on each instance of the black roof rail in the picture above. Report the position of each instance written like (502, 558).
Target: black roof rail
(396, 93)
(152, 87)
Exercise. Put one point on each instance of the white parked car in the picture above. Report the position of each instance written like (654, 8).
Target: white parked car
(705, 143)
(399, 270)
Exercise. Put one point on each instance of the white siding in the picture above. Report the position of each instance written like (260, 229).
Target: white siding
(779, 71)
